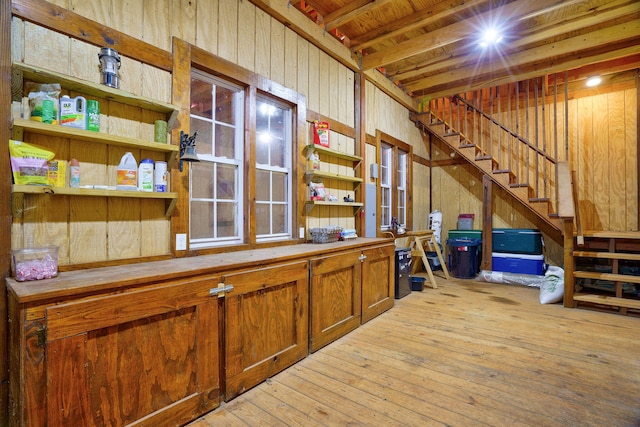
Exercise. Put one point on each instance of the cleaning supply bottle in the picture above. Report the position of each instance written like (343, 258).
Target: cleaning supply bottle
(73, 112)
(74, 173)
(145, 175)
(127, 178)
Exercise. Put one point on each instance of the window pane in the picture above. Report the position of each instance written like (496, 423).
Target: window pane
(262, 149)
(226, 182)
(201, 98)
(202, 175)
(279, 219)
(225, 105)
(201, 220)
(263, 219)
(203, 140)
(262, 185)
(226, 219)
(278, 150)
(279, 187)
(225, 141)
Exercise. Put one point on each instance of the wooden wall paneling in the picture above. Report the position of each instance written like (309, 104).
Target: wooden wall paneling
(247, 47)
(336, 97)
(324, 85)
(126, 17)
(302, 64)
(585, 166)
(228, 30)
(157, 22)
(52, 54)
(207, 24)
(97, 11)
(290, 59)
(313, 95)
(631, 158)
(277, 52)
(183, 13)
(262, 43)
(601, 165)
(616, 137)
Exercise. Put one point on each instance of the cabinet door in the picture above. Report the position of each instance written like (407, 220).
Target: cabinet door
(377, 281)
(148, 355)
(266, 324)
(335, 297)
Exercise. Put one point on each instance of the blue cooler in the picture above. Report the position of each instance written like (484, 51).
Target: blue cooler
(518, 263)
(463, 257)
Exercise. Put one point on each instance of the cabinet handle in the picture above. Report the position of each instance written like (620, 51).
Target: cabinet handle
(362, 257)
(221, 290)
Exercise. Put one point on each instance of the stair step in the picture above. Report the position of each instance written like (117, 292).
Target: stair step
(519, 185)
(607, 300)
(606, 276)
(607, 255)
(484, 157)
(451, 134)
(467, 145)
(539, 200)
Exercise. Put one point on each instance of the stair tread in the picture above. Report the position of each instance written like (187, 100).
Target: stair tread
(607, 255)
(539, 199)
(606, 276)
(613, 234)
(502, 171)
(608, 300)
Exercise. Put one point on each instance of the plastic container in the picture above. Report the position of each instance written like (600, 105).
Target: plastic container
(93, 115)
(517, 240)
(465, 221)
(127, 178)
(518, 263)
(145, 175)
(73, 112)
(160, 178)
(463, 257)
(325, 234)
(74, 173)
(34, 263)
(417, 283)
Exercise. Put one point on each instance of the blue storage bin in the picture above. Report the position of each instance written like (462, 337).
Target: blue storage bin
(518, 263)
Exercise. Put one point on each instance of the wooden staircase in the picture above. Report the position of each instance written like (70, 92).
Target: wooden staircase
(510, 160)
(605, 270)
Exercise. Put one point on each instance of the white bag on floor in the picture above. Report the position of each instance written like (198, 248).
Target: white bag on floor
(552, 288)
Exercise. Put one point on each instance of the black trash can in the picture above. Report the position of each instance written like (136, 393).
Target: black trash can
(463, 257)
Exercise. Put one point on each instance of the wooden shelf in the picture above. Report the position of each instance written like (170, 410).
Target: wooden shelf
(40, 75)
(86, 135)
(311, 204)
(310, 176)
(331, 152)
(71, 191)
(608, 301)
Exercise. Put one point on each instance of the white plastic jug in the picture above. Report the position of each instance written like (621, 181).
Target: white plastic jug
(127, 178)
(73, 112)
(145, 175)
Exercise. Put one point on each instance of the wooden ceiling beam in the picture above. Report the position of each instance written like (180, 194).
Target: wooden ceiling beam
(423, 18)
(511, 62)
(589, 18)
(351, 11)
(510, 13)
(459, 86)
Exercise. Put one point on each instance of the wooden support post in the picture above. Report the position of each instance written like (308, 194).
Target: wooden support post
(569, 285)
(487, 222)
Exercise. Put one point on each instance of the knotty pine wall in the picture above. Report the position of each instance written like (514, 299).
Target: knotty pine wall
(95, 230)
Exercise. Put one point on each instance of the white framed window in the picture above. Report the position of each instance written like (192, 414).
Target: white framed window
(386, 167)
(273, 170)
(216, 181)
(401, 188)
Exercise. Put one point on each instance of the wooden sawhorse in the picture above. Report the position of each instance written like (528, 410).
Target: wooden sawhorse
(417, 242)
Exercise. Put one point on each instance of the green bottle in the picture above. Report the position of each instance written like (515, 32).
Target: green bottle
(93, 115)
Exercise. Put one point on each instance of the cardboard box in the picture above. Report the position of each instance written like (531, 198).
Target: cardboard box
(57, 174)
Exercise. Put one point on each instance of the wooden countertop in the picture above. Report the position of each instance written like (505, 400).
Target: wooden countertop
(105, 279)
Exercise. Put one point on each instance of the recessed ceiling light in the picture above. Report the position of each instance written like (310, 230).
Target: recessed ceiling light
(490, 37)
(594, 81)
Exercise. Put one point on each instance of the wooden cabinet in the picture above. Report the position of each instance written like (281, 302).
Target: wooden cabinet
(378, 272)
(266, 323)
(349, 289)
(148, 354)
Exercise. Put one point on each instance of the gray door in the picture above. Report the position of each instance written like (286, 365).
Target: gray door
(370, 220)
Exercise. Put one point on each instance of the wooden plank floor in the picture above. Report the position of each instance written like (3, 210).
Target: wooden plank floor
(464, 354)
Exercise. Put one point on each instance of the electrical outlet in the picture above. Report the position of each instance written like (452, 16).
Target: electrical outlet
(301, 233)
(181, 242)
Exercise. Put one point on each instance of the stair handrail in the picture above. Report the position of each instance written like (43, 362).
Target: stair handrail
(519, 137)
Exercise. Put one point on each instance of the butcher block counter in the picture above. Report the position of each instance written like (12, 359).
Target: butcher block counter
(163, 342)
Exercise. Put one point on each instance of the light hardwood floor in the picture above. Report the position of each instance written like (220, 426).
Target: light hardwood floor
(465, 354)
